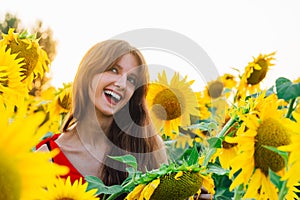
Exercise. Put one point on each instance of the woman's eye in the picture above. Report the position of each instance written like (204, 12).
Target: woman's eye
(114, 70)
(132, 80)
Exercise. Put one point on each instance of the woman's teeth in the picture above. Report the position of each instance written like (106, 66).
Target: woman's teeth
(115, 96)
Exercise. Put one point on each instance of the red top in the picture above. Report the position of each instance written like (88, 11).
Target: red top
(61, 159)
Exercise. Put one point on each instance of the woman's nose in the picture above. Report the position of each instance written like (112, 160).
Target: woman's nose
(121, 82)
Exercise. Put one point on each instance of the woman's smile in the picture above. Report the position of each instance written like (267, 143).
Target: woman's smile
(112, 97)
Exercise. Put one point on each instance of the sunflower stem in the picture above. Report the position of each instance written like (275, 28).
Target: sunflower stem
(213, 150)
(226, 127)
(238, 192)
(283, 190)
(291, 108)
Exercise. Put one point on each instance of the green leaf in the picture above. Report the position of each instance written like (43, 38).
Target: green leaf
(275, 179)
(208, 156)
(281, 185)
(193, 159)
(215, 142)
(217, 170)
(112, 189)
(23, 35)
(130, 171)
(204, 126)
(286, 89)
(127, 159)
(282, 153)
(96, 183)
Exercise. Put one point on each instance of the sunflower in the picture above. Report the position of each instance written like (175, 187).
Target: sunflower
(63, 99)
(204, 104)
(220, 86)
(46, 103)
(175, 184)
(27, 47)
(264, 125)
(215, 96)
(293, 176)
(254, 74)
(55, 103)
(228, 81)
(63, 189)
(214, 89)
(171, 104)
(22, 171)
(228, 150)
(12, 90)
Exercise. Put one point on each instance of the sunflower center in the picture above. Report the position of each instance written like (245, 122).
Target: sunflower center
(170, 104)
(65, 102)
(227, 145)
(258, 75)
(177, 188)
(65, 198)
(30, 55)
(215, 89)
(270, 133)
(10, 180)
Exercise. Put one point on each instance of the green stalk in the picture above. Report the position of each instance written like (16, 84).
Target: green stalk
(226, 127)
(212, 151)
(291, 108)
(283, 190)
(238, 192)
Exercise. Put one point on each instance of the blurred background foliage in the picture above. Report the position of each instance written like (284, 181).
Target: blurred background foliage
(46, 41)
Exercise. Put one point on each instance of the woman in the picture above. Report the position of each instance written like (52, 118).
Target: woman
(108, 116)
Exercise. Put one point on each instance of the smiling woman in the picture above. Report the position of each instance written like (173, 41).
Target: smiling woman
(109, 116)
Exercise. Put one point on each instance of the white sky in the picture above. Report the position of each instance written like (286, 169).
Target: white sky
(231, 32)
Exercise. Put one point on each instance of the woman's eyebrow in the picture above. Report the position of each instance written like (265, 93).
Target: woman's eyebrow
(118, 66)
(131, 72)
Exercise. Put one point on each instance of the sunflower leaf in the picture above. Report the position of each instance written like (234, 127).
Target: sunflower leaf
(193, 159)
(215, 169)
(215, 142)
(127, 159)
(282, 153)
(93, 182)
(96, 183)
(23, 35)
(275, 179)
(204, 126)
(131, 171)
(209, 155)
(132, 175)
(286, 89)
(281, 185)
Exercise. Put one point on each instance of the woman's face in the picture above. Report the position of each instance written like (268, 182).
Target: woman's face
(112, 89)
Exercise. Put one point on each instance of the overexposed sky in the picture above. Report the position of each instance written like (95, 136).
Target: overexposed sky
(231, 32)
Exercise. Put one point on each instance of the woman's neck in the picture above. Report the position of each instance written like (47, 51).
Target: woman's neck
(92, 132)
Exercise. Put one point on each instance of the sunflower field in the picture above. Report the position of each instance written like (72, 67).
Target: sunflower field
(231, 140)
